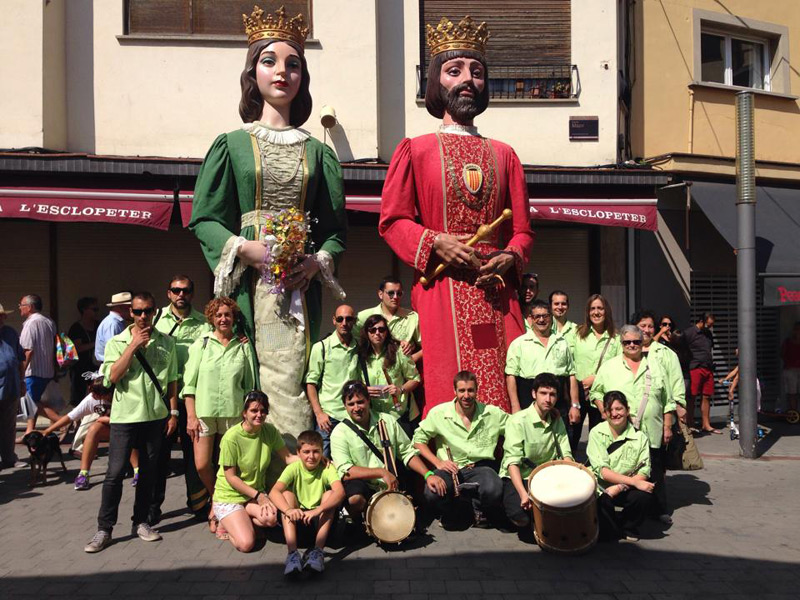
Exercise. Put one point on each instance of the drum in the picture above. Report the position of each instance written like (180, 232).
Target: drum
(390, 517)
(564, 500)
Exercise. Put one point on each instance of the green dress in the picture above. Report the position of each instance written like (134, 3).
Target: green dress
(246, 175)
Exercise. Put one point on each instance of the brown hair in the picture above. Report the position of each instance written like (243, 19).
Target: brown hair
(435, 100)
(465, 376)
(390, 344)
(213, 306)
(312, 438)
(256, 396)
(608, 322)
(252, 104)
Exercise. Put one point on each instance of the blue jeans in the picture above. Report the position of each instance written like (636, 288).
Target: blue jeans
(326, 437)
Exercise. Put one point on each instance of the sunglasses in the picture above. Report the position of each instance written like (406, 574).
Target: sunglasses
(377, 329)
(340, 318)
(532, 287)
(631, 342)
(179, 290)
(540, 317)
(666, 324)
(393, 293)
(143, 311)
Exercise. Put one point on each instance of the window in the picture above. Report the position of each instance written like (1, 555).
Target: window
(731, 60)
(199, 17)
(529, 49)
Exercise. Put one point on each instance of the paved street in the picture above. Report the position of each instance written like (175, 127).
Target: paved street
(735, 536)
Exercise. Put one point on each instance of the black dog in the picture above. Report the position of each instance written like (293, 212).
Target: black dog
(42, 449)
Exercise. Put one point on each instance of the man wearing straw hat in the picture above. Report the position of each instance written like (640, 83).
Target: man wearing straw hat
(113, 324)
(457, 180)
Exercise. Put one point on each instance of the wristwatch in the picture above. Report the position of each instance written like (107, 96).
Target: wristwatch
(174, 413)
(574, 405)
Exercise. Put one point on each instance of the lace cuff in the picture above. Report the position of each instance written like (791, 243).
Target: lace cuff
(229, 271)
(325, 262)
(424, 250)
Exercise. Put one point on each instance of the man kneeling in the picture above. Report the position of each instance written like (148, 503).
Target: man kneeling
(355, 450)
(533, 436)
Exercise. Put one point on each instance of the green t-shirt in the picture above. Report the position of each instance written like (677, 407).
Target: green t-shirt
(250, 453)
(330, 365)
(307, 485)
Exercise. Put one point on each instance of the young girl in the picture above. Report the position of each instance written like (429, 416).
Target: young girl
(240, 495)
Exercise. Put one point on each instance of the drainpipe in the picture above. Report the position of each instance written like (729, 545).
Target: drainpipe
(690, 145)
(746, 271)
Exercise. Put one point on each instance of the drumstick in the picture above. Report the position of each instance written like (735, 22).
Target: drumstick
(484, 231)
(395, 399)
(455, 476)
(387, 448)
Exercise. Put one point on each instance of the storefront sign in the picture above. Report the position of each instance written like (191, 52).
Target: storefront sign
(633, 214)
(781, 291)
(124, 208)
(584, 129)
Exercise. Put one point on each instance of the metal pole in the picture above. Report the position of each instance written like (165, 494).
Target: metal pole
(746, 271)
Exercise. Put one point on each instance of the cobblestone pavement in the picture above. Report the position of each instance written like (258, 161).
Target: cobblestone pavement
(736, 535)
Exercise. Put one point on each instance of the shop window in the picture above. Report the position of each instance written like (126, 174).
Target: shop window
(529, 50)
(731, 60)
(198, 17)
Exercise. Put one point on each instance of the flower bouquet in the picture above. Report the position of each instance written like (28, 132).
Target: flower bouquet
(285, 235)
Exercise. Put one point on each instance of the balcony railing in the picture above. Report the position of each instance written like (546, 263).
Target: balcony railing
(525, 83)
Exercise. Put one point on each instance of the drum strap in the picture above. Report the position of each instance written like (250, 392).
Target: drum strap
(555, 441)
(614, 446)
(364, 438)
(640, 413)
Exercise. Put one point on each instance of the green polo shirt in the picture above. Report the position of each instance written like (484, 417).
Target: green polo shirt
(401, 371)
(186, 332)
(527, 356)
(347, 449)
(569, 331)
(588, 350)
(307, 485)
(403, 325)
(631, 458)
(330, 365)
(670, 364)
(615, 374)
(445, 427)
(136, 398)
(529, 437)
(218, 376)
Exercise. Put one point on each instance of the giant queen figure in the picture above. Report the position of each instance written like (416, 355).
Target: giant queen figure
(440, 188)
(269, 214)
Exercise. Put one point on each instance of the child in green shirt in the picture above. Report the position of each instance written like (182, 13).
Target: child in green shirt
(307, 490)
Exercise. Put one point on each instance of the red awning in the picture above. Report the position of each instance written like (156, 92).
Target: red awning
(150, 208)
(610, 212)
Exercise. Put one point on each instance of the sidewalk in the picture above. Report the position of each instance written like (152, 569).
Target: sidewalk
(735, 536)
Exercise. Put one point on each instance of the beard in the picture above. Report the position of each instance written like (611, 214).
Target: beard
(462, 109)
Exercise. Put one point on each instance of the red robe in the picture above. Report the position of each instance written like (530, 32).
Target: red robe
(462, 326)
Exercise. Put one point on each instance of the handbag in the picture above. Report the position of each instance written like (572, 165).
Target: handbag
(27, 407)
(682, 452)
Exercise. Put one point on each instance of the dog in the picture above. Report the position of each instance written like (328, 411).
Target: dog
(42, 449)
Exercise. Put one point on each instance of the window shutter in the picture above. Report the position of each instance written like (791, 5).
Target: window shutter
(163, 16)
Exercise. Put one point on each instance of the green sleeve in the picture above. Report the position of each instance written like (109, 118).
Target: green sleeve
(425, 431)
(503, 420)
(329, 475)
(675, 382)
(228, 452)
(215, 207)
(405, 449)
(114, 349)
(599, 386)
(329, 232)
(512, 359)
(513, 445)
(289, 474)
(315, 365)
(192, 369)
(408, 368)
(340, 450)
(597, 454)
(274, 438)
(644, 457)
(172, 367)
(562, 439)
(248, 378)
(570, 359)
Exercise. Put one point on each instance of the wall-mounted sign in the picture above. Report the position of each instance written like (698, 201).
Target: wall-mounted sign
(584, 129)
(781, 291)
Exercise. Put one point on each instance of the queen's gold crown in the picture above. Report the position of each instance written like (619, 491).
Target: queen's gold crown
(275, 27)
(466, 35)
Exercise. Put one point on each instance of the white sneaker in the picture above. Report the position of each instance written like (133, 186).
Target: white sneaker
(315, 560)
(146, 533)
(100, 540)
(294, 564)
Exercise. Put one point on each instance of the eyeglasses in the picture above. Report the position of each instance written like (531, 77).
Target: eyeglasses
(377, 329)
(178, 290)
(631, 342)
(143, 311)
(540, 317)
(393, 293)
(340, 318)
(666, 324)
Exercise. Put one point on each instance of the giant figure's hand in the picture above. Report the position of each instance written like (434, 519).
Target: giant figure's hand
(252, 254)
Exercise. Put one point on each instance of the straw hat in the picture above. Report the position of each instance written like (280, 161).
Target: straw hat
(120, 299)
(3, 311)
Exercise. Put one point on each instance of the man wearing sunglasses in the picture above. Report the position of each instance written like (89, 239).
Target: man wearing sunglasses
(140, 418)
(332, 363)
(403, 322)
(180, 321)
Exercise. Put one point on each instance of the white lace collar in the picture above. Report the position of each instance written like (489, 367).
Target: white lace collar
(459, 129)
(282, 137)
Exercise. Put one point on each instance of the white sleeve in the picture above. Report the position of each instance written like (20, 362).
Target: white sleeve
(85, 408)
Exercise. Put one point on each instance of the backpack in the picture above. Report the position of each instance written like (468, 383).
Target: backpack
(66, 354)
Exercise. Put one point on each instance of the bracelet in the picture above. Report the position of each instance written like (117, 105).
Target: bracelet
(255, 498)
(174, 413)
(428, 474)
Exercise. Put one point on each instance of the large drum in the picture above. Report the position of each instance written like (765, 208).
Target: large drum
(390, 517)
(563, 494)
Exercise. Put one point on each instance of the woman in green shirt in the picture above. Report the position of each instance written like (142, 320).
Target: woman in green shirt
(620, 458)
(218, 374)
(389, 374)
(240, 499)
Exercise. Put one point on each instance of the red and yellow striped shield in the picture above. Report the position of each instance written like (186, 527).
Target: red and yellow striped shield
(473, 177)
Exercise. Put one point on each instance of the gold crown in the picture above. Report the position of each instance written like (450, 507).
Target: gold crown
(275, 27)
(467, 35)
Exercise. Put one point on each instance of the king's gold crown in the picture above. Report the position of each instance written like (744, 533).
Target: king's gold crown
(275, 27)
(466, 35)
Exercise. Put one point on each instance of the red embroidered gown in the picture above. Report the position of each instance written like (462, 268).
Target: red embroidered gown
(462, 326)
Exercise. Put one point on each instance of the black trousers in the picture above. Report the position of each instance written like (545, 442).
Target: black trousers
(197, 498)
(614, 525)
(511, 505)
(657, 476)
(489, 492)
(145, 437)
